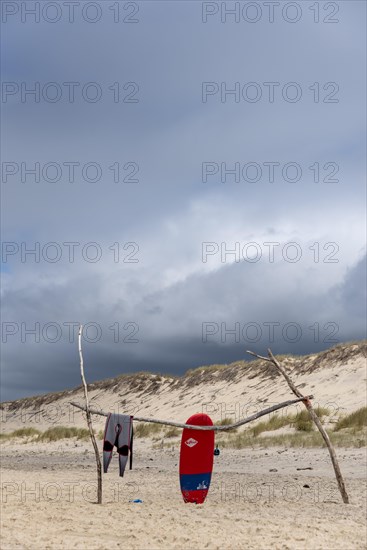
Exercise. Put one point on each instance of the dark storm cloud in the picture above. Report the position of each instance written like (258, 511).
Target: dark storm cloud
(206, 319)
(170, 293)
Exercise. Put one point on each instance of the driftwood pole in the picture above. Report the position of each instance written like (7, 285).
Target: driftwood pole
(314, 417)
(89, 421)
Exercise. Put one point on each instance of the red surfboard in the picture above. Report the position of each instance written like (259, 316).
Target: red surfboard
(196, 459)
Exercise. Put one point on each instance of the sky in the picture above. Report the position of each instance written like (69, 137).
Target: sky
(185, 181)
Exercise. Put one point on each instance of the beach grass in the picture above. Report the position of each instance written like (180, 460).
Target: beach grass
(146, 429)
(356, 419)
(22, 432)
(349, 431)
(62, 432)
(52, 434)
(172, 432)
(295, 439)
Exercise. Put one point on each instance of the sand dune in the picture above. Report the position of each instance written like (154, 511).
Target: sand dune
(336, 378)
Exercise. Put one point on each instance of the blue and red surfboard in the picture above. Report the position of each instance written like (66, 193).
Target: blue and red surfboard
(196, 459)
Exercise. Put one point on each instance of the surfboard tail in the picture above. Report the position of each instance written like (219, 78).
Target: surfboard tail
(195, 487)
(195, 497)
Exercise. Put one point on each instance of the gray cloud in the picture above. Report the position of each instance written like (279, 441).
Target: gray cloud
(170, 132)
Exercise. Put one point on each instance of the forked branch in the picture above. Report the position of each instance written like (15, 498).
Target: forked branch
(89, 420)
(314, 417)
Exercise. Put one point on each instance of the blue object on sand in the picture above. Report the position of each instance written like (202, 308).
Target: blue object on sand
(136, 500)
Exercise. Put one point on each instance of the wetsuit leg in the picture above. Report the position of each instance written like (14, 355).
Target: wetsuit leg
(109, 440)
(124, 442)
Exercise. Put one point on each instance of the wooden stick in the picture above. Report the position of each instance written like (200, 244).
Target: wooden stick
(206, 428)
(89, 422)
(314, 417)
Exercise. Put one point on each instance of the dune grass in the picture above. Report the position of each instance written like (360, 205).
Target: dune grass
(52, 434)
(61, 432)
(297, 439)
(146, 429)
(306, 435)
(22, 432)
(274, 423)
(26, 432)
(349, 431)
(352, 433)
(246, 440)
(357, 419)
(172, 432)
(301, 421)
(226, 422)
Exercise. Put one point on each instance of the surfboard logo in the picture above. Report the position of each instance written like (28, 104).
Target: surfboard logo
(191, 442)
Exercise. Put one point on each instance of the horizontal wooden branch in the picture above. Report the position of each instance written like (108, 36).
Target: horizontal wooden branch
(206, 428)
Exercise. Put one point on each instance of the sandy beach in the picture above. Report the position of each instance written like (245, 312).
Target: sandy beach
(266, 498)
